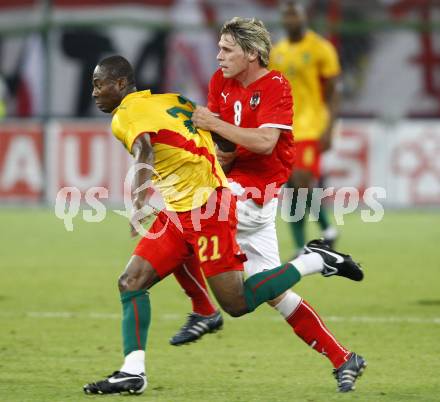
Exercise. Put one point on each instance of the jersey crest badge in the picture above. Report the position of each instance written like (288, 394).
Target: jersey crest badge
(255, 100)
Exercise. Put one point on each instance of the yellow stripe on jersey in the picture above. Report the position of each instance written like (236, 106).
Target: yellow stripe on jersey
(187, 171)
(304, 64)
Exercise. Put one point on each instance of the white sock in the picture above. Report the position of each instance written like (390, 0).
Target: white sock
(331, 233)
(134, 362)
(308, 264)
(288, 304)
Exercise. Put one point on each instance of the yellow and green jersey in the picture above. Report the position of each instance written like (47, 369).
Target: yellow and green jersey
(186, 168)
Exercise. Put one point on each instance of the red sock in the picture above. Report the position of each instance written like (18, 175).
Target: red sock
(191, 279)
(310, 328)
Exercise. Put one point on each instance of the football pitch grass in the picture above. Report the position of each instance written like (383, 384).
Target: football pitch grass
(60, 319)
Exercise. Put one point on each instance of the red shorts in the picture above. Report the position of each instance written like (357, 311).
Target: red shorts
(308, 156)
(176, 237)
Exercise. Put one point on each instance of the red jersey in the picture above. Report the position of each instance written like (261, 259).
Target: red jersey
(266, 102)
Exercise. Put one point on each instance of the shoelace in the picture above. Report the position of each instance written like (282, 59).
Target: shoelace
(190, 321)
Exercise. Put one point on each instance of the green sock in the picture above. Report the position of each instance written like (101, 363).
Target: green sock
(323, 219)
(322, 216)
(136, 317)
(299, 233)
(298, 229)
(267, 285)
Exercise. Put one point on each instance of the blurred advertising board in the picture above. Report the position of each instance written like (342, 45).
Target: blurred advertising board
(84, 154)
(36, 160)
(21, 162)
(402, 158)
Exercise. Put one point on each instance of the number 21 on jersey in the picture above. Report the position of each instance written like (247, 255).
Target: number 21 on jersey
(205, 251)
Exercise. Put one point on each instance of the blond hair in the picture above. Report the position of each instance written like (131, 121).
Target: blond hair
(251, 35)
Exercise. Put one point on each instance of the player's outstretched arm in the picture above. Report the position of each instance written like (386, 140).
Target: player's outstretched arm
(257, 140)
(142, 151)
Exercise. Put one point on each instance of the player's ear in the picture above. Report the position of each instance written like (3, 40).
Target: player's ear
(122, 83)
(252, 56)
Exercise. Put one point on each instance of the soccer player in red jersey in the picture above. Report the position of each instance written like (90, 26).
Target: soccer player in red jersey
(198, 223)
(251, 106)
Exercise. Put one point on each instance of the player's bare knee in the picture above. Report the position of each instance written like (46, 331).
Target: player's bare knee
(238, 312)
(138, 274)
(235, 309)
(131, 281)
(122, 283)
(126, 283)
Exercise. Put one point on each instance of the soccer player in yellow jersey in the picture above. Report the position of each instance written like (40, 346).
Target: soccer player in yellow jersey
(311, 65)
(180, 159)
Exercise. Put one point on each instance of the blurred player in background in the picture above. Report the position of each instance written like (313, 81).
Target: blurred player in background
(158, 132)
(311, 65)
(251, 106)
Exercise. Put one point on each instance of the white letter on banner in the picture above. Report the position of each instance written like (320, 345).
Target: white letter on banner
(22, 165)
(73, 158)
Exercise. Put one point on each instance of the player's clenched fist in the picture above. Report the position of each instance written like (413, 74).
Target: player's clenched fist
(203, 118)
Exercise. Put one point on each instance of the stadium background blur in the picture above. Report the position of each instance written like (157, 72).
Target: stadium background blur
(58, 299)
